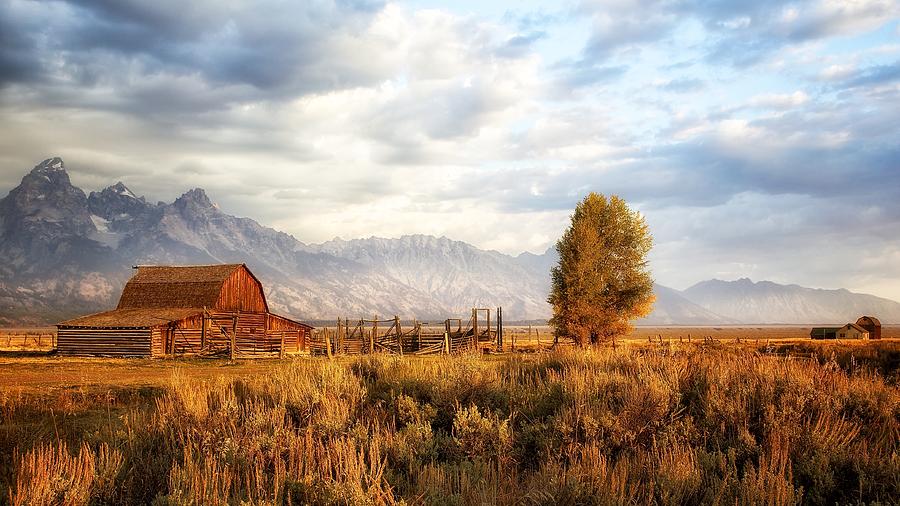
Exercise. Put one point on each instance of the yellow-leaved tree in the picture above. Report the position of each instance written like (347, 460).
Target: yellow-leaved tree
(602, 281)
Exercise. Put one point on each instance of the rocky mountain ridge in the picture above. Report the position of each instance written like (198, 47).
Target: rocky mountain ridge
(64, 253)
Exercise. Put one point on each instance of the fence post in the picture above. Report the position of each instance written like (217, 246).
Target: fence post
(446, 343)
(418, 329)
(281, 353)
(399, 334)
(500, 327)
(203, 329)
(233, 337)
(474, 325)
(338, 336)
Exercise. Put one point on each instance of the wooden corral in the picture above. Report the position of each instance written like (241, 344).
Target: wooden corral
(872, 325)
(208, 310)
(454, 335)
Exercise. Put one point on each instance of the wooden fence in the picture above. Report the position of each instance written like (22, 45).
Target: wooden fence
(28, 339)
(453, 335)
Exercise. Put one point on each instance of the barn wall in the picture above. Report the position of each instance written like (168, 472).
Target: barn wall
(242, 292)
(85, 341)
(851, 333)
(296, 334)
(873, 328)
(254, 337)
(157, 342)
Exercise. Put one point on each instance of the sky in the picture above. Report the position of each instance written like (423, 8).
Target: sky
(758, 139)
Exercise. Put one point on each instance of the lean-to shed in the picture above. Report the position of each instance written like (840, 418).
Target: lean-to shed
(824, 332)
(176, 310)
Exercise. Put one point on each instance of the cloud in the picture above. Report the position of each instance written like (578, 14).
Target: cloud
(779, 100)
(618, 25)
(747, 32)
(583, 74)
(875, 75)
(683, 85)
(355, 118)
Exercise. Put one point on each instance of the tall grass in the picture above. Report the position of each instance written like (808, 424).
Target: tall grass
(626, 426)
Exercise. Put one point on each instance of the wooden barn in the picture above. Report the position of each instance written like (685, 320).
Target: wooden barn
(206, 310)
(872, 326)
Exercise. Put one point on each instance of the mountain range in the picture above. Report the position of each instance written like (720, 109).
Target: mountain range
(64, 252)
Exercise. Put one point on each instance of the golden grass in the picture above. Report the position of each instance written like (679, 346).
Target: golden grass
(707, 423)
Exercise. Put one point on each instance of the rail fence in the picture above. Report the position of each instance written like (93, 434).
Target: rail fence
(27, 339)
(481, 331)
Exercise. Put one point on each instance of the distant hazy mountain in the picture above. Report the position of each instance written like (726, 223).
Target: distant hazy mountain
(457, 275)
(673, 308)
(64, 253)
(767, 302)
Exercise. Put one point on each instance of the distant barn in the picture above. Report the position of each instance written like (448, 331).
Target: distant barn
(872, 326)
(848, 331)
(177, 310)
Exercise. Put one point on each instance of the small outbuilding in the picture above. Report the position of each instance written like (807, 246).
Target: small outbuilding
(872, 326)
(178, 310)
(852, 331)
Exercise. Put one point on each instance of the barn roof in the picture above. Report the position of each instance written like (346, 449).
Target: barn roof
(132, 318)
(291, 320)
(872, 319)
(176, 286)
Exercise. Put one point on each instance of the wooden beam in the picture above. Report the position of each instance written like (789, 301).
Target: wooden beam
(232, 352)
(203, 330)
(399, 334)
(327, 343)
(372, 335)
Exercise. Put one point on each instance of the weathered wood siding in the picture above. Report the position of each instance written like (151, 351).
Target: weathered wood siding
(241, 292)
(296, 334)
(257, 334)
(157, 342)
(104, 342)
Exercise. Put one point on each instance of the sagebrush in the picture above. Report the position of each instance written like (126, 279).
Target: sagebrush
(624, 426)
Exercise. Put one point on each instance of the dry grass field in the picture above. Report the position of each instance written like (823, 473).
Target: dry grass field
(713, 422)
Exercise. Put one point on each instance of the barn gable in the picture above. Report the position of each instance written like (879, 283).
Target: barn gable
(230, 287)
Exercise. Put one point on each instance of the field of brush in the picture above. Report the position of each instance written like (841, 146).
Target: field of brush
(708, 422)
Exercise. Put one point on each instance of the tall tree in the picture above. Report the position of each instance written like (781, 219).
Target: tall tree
(602, 281)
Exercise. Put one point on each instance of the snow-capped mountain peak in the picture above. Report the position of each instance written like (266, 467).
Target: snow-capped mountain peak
(54, 164)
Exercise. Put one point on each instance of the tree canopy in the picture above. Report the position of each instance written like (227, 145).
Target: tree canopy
(602, 281)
